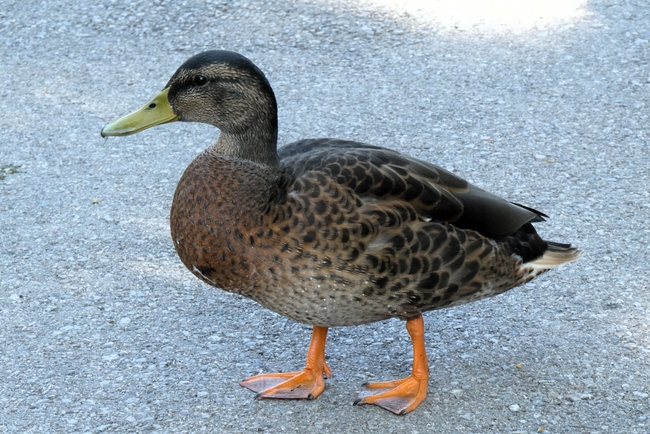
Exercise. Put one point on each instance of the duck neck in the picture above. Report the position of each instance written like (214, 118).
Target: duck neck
(257, 145)
(253, 136)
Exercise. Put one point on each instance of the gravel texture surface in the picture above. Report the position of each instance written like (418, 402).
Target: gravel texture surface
(103, 330)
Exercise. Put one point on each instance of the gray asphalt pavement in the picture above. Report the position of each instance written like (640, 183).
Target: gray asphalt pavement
(103, 330)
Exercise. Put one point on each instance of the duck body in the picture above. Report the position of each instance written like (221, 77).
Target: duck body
(331, 232)
(304, 243)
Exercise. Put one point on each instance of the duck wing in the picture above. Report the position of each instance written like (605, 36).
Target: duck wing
(376, 173)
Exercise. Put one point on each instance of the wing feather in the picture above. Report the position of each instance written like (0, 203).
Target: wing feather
(376, 173)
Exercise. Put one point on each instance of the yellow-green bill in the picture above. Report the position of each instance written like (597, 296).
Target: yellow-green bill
(155, 112)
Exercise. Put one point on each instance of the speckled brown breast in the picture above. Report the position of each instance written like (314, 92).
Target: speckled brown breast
(309, 247)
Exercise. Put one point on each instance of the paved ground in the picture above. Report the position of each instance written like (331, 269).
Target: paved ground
(103, 330)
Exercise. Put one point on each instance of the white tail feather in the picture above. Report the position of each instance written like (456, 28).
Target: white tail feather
(554, 257)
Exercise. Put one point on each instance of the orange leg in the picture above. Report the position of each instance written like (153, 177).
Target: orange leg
(306, 384)
(403, 396)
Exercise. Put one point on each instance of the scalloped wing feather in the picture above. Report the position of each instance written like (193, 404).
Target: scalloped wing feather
(376, 173)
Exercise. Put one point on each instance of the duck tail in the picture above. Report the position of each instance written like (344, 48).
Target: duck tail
(555, 255)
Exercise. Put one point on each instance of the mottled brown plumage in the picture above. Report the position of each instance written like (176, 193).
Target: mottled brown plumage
(335, 233)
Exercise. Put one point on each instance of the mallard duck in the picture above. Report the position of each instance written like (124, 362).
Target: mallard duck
(331, 232)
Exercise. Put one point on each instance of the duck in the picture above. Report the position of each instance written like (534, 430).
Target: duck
(331, 232)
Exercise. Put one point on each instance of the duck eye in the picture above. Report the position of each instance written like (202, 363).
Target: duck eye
(200, 80)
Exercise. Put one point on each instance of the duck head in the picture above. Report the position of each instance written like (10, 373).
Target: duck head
(220, 88)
